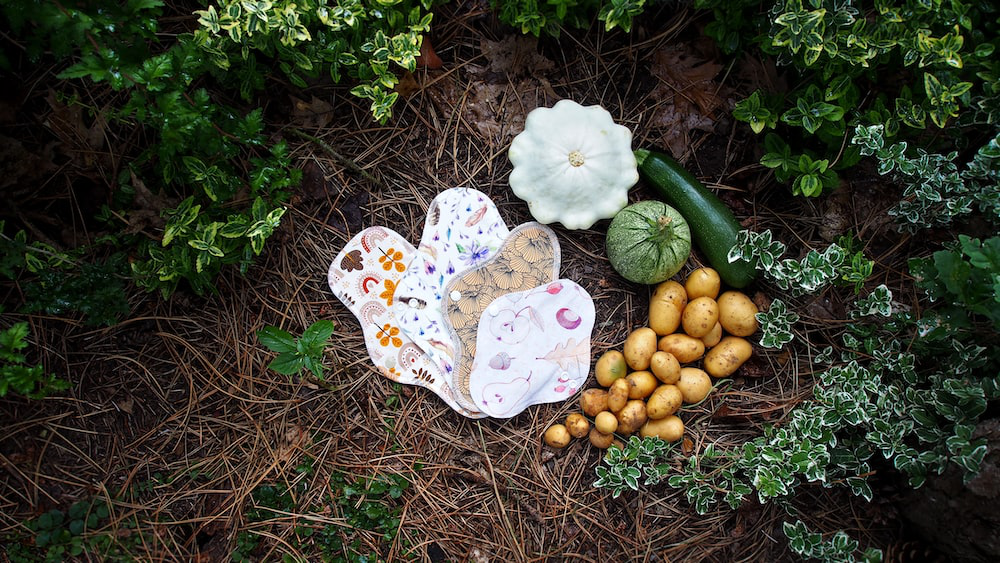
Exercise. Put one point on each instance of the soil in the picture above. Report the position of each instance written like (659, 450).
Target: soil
(174, 409)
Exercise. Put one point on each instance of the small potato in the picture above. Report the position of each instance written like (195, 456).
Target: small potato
(601, 440)
(618, 394)
(593, 401)
(610, 366)
(557, 436)
(639, 346)
(632, 416)
(669, 429)
(664, 313)
(665, 366)
(577, 425)
(713, 337)
(664, 401)
(683, 347)
(700, 316)
(694, 385)
(727, 356)
(641, 384)
(737, 313)
(703, 282)
(606, 422)
(670, 291)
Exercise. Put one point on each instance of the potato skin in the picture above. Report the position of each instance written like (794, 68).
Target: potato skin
(665, 366)
(694, 385)
(610, 366)
(577, 425)
(727, 356)
(703, 282)
(632, 416)
(669, 428)
(670, 291)
(737, 313)
(713, 337)
(593, 401)
(641, 384)
(557, 436)
(684, 347)
(639, 346)
(618, 395)
(600, 440)
(665, 401)
(700, 316)
(606, 422)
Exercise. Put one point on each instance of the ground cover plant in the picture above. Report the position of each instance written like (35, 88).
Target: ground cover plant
(178, 382)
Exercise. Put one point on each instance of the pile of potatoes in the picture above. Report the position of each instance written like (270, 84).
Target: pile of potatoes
(643, 386)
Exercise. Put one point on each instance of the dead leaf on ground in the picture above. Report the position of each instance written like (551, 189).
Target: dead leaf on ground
(146, 214)
(82, 143)
(314, 114)
(688, 97)
(20, 166)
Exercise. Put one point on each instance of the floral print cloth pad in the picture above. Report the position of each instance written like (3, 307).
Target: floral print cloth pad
(462, 230)
(532, 347)
(364, 276)
(528, 258)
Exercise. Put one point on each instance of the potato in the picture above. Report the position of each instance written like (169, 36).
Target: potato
(601, 440)
(593, 401)
(610, 366)
(631, 416)
(694, 385)
(700, 316)
(737, 313)
(618, 395)
(665, 310)
(577, 425)
(606, 422)
(713, 337)
(665, 366)
(703, 282)
(664, 401)
(641, 384)
(670, 291)
(639, 346)
(727, 356)
(683, 347)
(557, 436)
(670, 428)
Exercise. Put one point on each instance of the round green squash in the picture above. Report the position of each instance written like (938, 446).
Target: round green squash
(648, 242)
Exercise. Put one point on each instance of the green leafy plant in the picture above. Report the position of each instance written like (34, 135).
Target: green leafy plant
(368, 503)
(536, 18)
(366, 40)
(806, 275)
(16, 374)
(839, 548)
(939, 53)
(626, 466)
(296, 354)
(937, 191)
(776, 324)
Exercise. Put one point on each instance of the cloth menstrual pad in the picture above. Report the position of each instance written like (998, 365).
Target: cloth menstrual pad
(364, 276)
(463, 229)
(532, 347)
(528, 258)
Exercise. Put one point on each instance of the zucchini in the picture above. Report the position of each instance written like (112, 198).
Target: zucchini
(713, 225)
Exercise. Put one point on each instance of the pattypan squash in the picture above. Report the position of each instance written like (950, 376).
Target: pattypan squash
(572, 164)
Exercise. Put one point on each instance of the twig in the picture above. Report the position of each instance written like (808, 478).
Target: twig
(346, 162)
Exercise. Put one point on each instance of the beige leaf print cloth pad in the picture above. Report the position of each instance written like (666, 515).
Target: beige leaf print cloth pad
(528, 258)
(364, 277)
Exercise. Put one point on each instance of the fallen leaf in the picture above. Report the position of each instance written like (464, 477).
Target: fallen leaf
(427, 57)
(314, 114)
(688, 97)
(407, 85)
